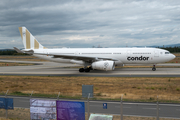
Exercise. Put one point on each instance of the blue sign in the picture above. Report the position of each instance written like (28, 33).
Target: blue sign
(2, 103)
(6, 103)
(69, 110)
(104, 105)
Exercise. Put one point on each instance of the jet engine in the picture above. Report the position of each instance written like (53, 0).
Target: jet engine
(103, 65)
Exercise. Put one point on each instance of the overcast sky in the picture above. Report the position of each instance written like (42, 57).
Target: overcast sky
(87, 23)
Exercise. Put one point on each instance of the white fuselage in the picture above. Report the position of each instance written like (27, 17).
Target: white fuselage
(123, 55)
(94, 58)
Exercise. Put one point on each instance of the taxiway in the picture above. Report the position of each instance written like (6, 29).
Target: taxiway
(59, 69)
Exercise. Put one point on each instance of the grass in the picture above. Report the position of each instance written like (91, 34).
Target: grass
(16, 114)
(98, 94)
(14, 64)
(105, 88)
(21, 58)
(17, 93)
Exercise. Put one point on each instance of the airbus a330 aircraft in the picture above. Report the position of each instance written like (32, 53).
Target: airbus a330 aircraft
(94, 58)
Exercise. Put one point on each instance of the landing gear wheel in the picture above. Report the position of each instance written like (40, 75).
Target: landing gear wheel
(81, 69)
(87, 70)
(153, 69)
(90, 68)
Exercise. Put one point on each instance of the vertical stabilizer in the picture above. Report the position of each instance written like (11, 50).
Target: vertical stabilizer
(29, 41)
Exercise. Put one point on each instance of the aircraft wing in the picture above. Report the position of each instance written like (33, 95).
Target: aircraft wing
(22, 51)
(84, 58)
(78, 57)
(65, 56)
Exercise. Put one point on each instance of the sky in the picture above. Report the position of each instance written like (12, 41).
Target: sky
(87, 23)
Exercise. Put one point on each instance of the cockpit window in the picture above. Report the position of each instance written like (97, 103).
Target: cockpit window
(167, 53)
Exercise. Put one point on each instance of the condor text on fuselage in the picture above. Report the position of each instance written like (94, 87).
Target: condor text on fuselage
(138, 58)
(94, 58)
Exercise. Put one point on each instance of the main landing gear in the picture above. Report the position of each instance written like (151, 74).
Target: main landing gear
(84, 70)
(154, 68)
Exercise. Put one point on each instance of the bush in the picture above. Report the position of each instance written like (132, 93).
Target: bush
(151, 98)
(152, 88)
(98, 94)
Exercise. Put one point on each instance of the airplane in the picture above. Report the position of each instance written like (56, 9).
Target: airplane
(94, 58)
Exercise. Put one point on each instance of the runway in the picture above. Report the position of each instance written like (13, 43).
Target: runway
(59, 69)
(129, 108)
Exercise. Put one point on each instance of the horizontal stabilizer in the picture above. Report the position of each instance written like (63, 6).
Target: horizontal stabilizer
(18, 50)
(31, 52)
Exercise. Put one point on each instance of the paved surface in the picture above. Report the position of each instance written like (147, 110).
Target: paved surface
(57, 69)
(129, 109)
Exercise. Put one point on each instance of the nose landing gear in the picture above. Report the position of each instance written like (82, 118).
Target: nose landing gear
(87, 70)
(154, 68)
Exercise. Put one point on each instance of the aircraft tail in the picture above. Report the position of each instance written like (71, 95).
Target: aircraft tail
(29, 41)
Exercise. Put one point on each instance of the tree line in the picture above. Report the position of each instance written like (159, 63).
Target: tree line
(10, 52)
(172, 49)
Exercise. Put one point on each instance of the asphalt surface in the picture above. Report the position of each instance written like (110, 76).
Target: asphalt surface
(129, 108)
(60, 69)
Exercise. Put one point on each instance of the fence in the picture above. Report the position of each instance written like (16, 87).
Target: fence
(119, 108)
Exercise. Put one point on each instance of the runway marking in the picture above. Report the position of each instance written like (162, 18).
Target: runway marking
(123, 107)
(143, 116)
(22, 107)
(96, 105)
(23, 101)
(150, 104)
(151, 108)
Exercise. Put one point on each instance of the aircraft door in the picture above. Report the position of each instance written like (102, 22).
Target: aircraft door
(44, 51)
(128, 53)
(77, 53)
(156, 53)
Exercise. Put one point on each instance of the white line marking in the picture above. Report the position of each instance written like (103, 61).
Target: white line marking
(140, 116)
(23, 101)
(123, 107)
(21, 107)
(97, 105)
(150, 104)
(151, 108)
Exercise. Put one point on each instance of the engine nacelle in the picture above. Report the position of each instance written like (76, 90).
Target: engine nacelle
(103, 65)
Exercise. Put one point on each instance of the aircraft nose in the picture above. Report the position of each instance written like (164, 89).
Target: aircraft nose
(173, 56)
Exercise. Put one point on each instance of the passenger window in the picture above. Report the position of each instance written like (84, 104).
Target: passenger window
(166, 52)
